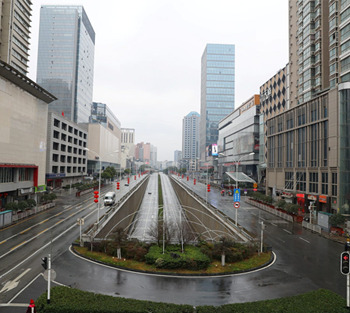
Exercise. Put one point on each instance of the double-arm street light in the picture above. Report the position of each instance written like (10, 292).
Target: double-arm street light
(99, 181)
(237, 166)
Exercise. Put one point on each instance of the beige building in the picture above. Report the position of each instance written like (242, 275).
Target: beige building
(308, 145)
(15, 20)
(24, 108)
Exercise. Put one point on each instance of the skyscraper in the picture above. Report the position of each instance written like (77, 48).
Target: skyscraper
(190, 136)
(66, 59)
(217, 91)
(15, 20)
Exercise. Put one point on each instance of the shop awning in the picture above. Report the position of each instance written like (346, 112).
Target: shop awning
(240, 177)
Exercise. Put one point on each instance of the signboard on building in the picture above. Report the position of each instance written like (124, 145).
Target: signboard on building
(312, 197)
(322, 199)
(212, 150)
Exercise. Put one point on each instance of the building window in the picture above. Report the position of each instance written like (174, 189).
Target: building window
(271, 150)
(62, 169)
(301, 146)
(280, 150)
(55, 157)
(289, 149)
(56, 134)
(313, 182)
(55, 169)
(325, 143)
(301, 181)
(56, 123)
(289, 180)
(314, 145)
(324, 185)
(335, 184)
(55, 146)
(64, 126)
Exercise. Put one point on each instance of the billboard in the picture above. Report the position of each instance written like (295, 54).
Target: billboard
(212, 150)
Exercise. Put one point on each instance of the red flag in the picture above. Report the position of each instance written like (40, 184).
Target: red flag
(62, 113)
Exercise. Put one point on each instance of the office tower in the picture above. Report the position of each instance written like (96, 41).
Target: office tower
(177, 155)
(217, 91)
(190, 138)
(66, 60)
(15, 20)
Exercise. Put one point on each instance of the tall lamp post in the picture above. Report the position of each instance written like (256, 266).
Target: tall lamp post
(99, 181)
(237, 166)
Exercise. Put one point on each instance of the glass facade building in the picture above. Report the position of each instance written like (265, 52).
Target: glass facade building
(66, 59)
(217, 91)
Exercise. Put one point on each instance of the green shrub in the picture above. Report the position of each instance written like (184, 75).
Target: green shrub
(22, 205)
(11, 206)
(44, 198)
(52, 196)
(31, 202)
(337, 219)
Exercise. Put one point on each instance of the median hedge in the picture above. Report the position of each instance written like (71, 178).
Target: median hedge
(67, 300)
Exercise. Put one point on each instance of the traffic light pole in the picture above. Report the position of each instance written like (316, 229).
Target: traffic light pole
(348, 291)
(48, 278)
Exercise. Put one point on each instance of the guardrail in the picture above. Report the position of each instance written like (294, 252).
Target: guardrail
(312, 227)
(37, 209)
(226, 219)
(104, 219)
(270, 210)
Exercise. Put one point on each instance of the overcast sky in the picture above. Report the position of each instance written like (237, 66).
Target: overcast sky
(148, 56)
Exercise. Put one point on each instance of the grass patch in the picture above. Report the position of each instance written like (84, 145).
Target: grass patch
(69, 300)
(214, 267)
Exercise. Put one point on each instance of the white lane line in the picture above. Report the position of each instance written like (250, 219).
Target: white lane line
(25, 287)
(262, 219)
(304, 240)
(280, 239)
(274, 224)
(287, 231)
(13, 283)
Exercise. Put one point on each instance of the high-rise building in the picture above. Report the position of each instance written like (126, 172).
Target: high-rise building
(66, 59)
(217, 91)
(15, 20)
(177, 156)
(308, 144)
(190, 138)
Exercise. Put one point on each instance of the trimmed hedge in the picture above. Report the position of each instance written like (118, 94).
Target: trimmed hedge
(67, 300)
(193, 258)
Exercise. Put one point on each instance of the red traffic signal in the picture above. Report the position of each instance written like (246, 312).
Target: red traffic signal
(208, 188)
(344, 263)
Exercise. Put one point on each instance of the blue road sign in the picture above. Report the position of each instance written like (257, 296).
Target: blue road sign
(237, 195)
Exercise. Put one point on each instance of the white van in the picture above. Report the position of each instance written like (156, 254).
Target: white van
(109, 198)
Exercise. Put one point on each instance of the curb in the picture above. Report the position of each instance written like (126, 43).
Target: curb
(272, 259)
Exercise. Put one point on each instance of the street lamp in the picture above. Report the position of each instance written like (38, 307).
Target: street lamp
(99, 181)
(237, 167)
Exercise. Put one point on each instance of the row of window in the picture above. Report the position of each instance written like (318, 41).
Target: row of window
(68, 158)
(70, 129)
(68, 169)
(7, 174)
(69, 149)
(297, 181)
(70, 139)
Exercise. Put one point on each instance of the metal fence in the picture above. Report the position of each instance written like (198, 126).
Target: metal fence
(37, 209)
(312, 227)
(270, 210)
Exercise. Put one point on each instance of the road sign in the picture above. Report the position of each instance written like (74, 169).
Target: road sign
(80, 221)
(255, 185)
(53, 275)
(237, 195)
(236, 205)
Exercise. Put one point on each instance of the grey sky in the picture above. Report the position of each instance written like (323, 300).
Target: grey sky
(148, 54)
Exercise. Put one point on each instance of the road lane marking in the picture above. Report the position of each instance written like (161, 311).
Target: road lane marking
(22, 232)
(273, 224)
(59, 213)
(280, 239)
(304, 240)
(11, 284)
(287, 231)
(18, 245)
(262, 218)
(42, 231)
(3, 242)
(43, 221)
(71, 215)
(59, 222)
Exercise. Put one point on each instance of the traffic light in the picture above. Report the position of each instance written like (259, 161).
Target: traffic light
(344, 263)
(96, 196)
(118, 185)
(44, 264)
(208, 188)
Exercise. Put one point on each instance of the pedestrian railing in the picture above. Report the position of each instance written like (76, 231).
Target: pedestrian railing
(270, 210)
(312, 227)
(37, 209)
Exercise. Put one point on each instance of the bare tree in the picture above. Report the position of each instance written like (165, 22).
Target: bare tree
(119, 237)
(183, 233)
(161, 230)
(224, 246)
